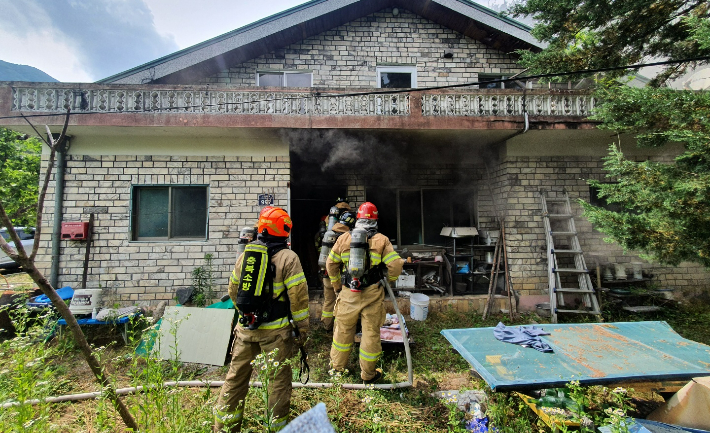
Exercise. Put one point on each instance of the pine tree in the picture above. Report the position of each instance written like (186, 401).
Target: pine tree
(664, 206)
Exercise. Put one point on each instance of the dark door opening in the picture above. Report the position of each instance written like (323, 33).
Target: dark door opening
(312, 194)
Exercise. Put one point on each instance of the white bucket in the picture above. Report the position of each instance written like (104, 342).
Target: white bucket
(418, 306)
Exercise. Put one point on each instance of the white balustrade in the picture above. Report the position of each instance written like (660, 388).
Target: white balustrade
(132, 100)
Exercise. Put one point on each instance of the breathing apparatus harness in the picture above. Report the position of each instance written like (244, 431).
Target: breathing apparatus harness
(255, 295)
(359, 272)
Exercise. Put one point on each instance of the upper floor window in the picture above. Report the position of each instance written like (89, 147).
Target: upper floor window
(174, 212)
(498, 85)
(284, 79)
(397, 77)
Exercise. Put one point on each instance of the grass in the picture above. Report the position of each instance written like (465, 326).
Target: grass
(59, 368)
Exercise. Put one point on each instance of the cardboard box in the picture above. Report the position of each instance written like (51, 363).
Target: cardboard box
(689, 407)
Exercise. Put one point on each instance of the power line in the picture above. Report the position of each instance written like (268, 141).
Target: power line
(385, 92)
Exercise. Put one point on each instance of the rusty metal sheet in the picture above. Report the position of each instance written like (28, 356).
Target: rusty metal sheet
(592, 353)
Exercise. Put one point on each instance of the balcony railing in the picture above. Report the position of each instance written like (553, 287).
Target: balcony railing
(46, 98)
(472, 104)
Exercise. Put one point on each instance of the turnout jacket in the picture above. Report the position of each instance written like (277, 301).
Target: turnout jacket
(340, 228)
(381, 251)
(289, 276)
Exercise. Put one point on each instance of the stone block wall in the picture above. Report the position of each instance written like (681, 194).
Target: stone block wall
(136, 271)
(347, 56)
(519, 182)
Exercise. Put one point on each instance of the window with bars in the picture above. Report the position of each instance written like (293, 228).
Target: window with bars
(169, 212)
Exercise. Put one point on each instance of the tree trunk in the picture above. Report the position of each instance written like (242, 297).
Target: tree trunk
(21, 257)
(46, 288)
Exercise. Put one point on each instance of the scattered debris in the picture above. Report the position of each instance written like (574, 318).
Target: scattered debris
(689, 407)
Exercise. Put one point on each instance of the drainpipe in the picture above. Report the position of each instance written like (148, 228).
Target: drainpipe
(58, 202)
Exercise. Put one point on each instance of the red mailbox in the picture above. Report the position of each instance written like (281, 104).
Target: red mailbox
(75, 231)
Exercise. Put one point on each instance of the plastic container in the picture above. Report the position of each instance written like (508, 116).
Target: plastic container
(543, 309)
(418, 306)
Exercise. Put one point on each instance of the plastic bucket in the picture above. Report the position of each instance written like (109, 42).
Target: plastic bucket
(418, 306)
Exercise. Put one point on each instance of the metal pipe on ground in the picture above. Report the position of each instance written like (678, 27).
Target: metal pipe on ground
(218, 383)
(201, 384)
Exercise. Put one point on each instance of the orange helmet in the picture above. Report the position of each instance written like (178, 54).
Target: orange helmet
(274, 221)
(367, 211)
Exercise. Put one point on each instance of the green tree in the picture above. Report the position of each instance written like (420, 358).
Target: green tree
(19, 176)
(665, 206)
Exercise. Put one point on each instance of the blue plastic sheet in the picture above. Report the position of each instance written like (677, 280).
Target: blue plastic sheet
(592, 353)
(43, 301)
(647, 426)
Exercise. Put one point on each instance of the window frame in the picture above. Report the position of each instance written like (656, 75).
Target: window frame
(485, 76)
(472, 217)
(134, 214)
(284, 74)
(400, 70)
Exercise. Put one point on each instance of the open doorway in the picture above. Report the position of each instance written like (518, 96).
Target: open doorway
(312, 195)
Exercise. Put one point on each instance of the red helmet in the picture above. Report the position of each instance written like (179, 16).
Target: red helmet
(367, 211)
(274, 221)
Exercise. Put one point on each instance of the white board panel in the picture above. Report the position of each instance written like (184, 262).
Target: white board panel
(195, 334)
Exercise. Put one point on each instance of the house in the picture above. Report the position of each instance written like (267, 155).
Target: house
(331, 98)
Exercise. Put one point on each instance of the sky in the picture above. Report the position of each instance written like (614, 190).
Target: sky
(87, 40)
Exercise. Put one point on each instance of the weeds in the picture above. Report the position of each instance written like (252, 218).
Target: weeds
(187, 410)
(27, 374)
(203, 283)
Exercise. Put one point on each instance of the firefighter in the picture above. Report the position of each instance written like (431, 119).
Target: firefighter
(362, 297)
(273, 227)
(345, 223)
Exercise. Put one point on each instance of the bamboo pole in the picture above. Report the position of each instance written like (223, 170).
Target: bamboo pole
(492, 280)
(508, 285)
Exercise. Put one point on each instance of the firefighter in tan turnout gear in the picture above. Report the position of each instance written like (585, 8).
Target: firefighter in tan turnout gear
(269, 289)
(357, 263)
(345, 223)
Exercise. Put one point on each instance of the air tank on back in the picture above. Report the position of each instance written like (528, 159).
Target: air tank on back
(246, 235)
(357, 265)
(333, 215)
(329, 239)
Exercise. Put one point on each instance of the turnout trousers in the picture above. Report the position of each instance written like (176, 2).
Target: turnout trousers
(368, 306)
(247, 345)
(328, 304)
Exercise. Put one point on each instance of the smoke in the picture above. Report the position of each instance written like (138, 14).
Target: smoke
(335, 150)
(107, 36)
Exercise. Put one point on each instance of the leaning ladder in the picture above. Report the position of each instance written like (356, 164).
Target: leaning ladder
(560, 230)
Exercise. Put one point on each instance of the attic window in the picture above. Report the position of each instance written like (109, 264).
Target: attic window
(284, 79)
(397, 77)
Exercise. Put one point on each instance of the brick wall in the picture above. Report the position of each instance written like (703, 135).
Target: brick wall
(347, 56)
(132, 271)
(519, 181)
(514, 193)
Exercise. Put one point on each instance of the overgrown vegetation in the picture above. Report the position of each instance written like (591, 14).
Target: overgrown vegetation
(663, 204)
(19, 176)
(53, 370)
(203, 283)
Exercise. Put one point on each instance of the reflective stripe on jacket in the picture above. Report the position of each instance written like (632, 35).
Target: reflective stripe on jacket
(381, 251)
(289, 276)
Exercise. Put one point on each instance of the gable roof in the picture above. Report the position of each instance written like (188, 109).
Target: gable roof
(292, 25)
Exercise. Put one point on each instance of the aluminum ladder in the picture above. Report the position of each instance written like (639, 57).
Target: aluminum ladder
(566, 270)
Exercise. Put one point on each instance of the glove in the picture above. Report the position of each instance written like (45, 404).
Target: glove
(302, 335)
